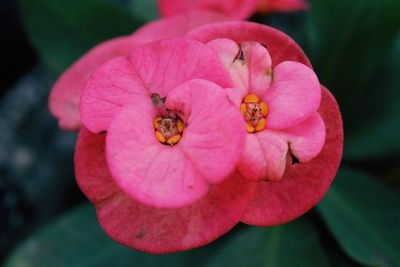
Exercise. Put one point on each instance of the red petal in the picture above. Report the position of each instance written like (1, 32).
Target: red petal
(303, 185)
(150, 229)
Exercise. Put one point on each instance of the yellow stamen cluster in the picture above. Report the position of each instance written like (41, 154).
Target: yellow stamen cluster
(168, 130)
(255, 113)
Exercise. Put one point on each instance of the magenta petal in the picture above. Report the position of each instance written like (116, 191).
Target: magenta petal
(228, 51)
(294, 95)
(248, 63)
(307, 138)
(114, 85)
(238, 9)
(146, 170)
(259, 63)
(213, 139)
(234, 95)
(164, 65)
(264, 157)
(153, 68)
(266, 152)
(302, 185)
(280, 46)
(150, 229)
(65, 95)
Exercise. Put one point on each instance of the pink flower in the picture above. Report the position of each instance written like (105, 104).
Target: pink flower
(236, 9)
(302, 120)
(171, 130)
(279, 105)
(65, 95)
(159, 146)
(184, 138)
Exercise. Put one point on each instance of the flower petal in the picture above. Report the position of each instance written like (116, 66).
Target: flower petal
(264, 157)
(249, 64)
(151, 229)
(164, 65)
(114, 85)
(227, 51)
(153, 68)
(177, 26)
(237, 9)
(307, 138)
(213, 139)
(280, 46)
(234, 95)
(294, 95)
(148, 171)
(266, 152)
(259, 63)
(302, 185)
(65, 95)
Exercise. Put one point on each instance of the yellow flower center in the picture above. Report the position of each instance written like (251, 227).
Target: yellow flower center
(168, 130)
(255, 113)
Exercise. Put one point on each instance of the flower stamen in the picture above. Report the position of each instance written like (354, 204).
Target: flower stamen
(255, 113)
(168, 130)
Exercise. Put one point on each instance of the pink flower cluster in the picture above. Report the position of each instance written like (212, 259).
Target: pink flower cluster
(186, 131)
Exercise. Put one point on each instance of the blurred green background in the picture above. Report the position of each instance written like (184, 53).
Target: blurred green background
(45, 220)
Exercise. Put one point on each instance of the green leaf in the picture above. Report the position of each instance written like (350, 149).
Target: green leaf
(63, 30)
(295, 244)
(364, 216)
(77, 240)
(349, 43)
(379, 134)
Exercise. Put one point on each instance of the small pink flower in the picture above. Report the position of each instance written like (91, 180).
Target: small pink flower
(65, 95)
(171, 130)
(303, 120)
(236, 9)
(279, 105)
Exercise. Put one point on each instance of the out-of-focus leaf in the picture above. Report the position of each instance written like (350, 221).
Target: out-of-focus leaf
(77, 240)
(295, 244)
(339, 259)
(391, 176)
(379, 134)
(364, 217)
(145, 9)
(348, 43)
(63, 30)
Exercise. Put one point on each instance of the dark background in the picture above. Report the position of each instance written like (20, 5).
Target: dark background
(46, 221)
